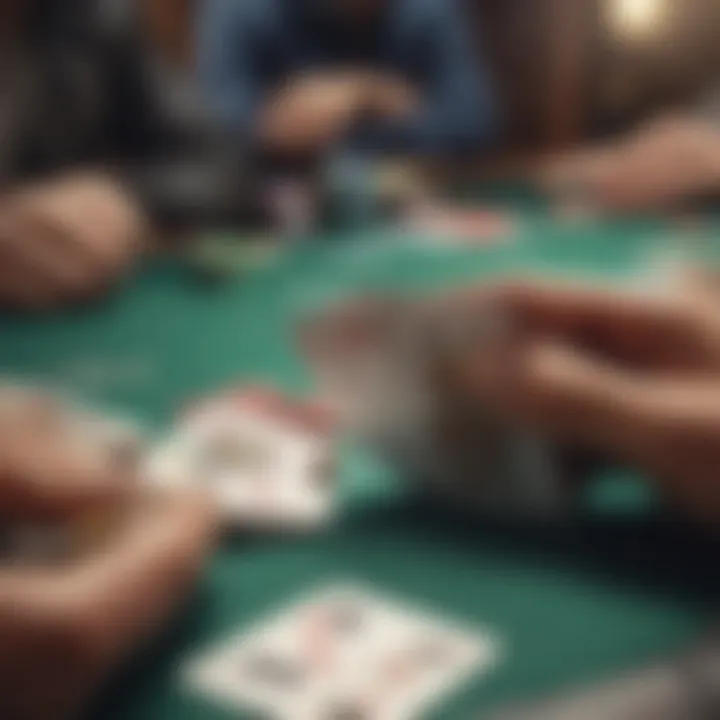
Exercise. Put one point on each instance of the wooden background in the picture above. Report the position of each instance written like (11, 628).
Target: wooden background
(565, 70)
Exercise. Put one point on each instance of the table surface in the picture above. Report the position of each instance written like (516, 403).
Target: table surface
(573, 602)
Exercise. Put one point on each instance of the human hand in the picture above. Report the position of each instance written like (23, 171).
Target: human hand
(391, 97)
(64, 630)
(665, 162)
(48, 473)
(65, 239)
(637, 378)
(314, 111)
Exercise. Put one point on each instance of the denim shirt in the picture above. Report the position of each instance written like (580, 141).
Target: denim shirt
(248, 48)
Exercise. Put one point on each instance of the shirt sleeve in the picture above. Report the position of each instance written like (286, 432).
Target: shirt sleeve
(229, 60)
(181, 166)
(458, 112)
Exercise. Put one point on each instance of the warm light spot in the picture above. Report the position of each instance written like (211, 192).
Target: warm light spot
(637, 18)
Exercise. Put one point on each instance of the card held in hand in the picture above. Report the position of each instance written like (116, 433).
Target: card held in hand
(382, 364)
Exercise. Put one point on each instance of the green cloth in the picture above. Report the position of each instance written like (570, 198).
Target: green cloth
(573, 603)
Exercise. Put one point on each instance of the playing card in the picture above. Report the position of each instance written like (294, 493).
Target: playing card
(345, 652)
(268, 461)
(380, 363)
(361, 355)
(447, 225)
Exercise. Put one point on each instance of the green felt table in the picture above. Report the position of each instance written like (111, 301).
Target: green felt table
(573, 602)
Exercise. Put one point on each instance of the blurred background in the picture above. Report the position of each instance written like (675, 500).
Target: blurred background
(565, 70)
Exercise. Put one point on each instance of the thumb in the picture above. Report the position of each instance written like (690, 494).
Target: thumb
(50, 486)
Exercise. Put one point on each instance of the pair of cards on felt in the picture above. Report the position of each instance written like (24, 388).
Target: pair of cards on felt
(345, 653)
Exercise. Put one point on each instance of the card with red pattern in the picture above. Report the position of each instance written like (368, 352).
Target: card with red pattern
(268, 459)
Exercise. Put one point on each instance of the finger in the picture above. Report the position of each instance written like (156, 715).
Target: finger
(645, 183)
(565, 394)
(684, 452)
(145, 571)
(24, 280)
(67, 251)
(42, 264)
(704, 284)
(655, 331)
(669, 428)
(94, 214)
(46, 479)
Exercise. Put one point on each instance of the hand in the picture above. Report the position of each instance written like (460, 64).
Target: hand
(48, 473)
(666, 162)
(65, 240)
(391, 97)
(64, 630)
(637, 378)
(314, 111)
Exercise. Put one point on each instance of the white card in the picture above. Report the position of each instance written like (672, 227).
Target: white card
(364, 357)
(345, 652)
(265, 471)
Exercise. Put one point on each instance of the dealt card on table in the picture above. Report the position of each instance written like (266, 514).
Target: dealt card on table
(346, 652)
(459, 226)
(268, 460)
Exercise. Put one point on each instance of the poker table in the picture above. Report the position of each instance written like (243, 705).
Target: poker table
(574, 601)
